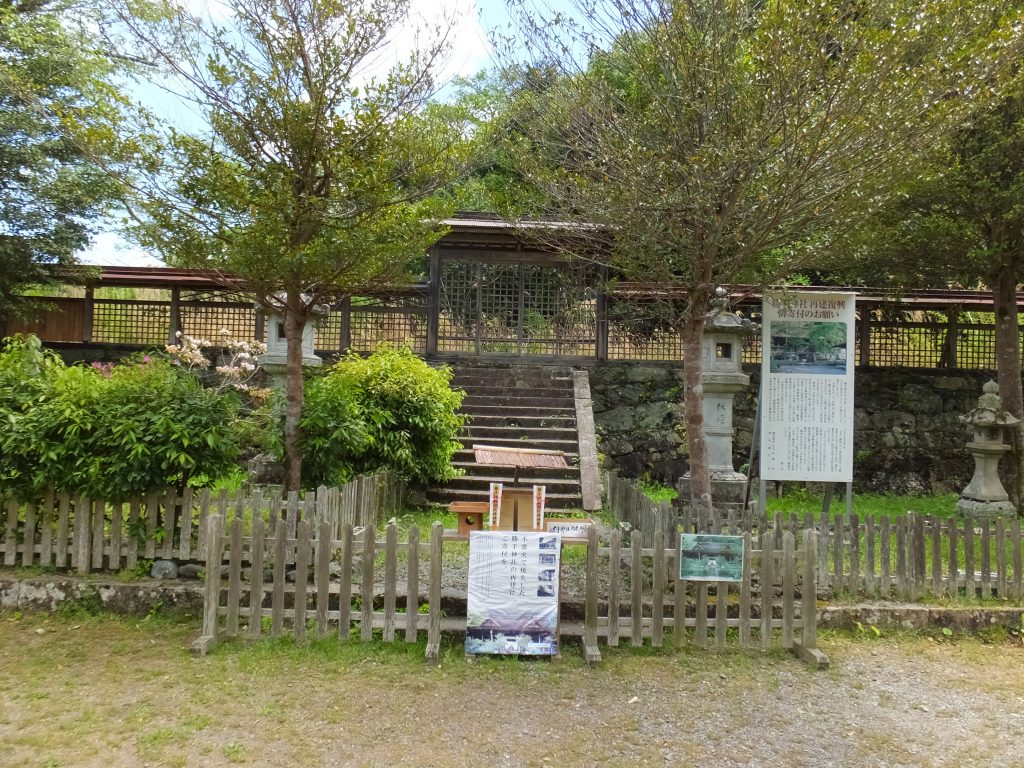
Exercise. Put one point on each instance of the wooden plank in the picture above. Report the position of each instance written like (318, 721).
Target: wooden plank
(614, 570)
(658, 586)
(11, 533)
(920, 555)
(152, 509)
(936, 538)
(767, 580)
(46, 521)
(636, 591)
(211, 600)
(590, 650)
(204, 512)
(369, 551)
(970, 584)
(1017, 559)
(838, 556)
(745, 591)
(64, 511)
(412, 586)
(986, 558)
(434, 620)
(170, 507)
(28, 538)
(854, 582)
(954, 561)
(292, 521)
(722, 611)
(277, 599)
(885, 537)
(83, 530)
(98, 519)
(185, 542)
(808, 594)
(322, 575)
(911, 539)
(255, 578)
(678, 608)
(824, 542)
(700, 630)
(902, 589)
(302, 558)
(234, 577)
(788, 589)
(1001, 580)
(116, 542)
(870, 585)
(345, 587)
(390, 568)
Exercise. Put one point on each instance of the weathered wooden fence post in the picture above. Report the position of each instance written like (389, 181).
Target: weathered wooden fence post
(211, 600)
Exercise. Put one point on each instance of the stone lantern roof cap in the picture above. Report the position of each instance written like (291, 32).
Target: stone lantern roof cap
(722, 320)
(990, 411)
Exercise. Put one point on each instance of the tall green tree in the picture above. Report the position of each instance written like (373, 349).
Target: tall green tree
(704, 138)
(961, 221)
(58, 106)
(312, 177)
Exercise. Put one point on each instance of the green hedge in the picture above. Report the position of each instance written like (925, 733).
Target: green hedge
(108, 431)
(389, 411)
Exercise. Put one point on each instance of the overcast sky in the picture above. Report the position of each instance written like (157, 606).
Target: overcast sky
(471, 52)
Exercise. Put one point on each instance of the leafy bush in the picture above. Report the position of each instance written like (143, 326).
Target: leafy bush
(387, 411)
(107, 431)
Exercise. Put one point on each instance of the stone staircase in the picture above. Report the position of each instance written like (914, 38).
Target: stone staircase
(518, 406)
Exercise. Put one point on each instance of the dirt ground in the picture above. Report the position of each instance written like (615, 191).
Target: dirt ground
(103, 691)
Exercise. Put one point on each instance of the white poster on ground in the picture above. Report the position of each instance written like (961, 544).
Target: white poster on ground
(807, 349)
(512, 606)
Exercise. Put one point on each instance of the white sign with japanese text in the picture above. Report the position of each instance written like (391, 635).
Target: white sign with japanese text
(807, 348)
(512, 605)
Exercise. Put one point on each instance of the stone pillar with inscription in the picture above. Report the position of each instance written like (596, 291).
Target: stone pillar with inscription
(722, 378)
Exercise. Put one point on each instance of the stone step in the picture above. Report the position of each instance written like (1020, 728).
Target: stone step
(472, 402)
(513, 382)
(466, 455)
(508, 420)
(535, 390)
(544, 445)
(527, 479)
(505, 474)
(520, 410)
(553, 501)
(485, 431)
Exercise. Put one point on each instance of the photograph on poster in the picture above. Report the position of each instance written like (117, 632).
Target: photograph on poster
(705, 557)
(808, 346)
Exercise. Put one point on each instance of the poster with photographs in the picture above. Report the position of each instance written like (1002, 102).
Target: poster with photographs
(807, 391)
(707, 557)
(512, 607)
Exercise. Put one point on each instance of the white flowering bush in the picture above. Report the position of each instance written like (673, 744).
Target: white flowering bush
(235, 366)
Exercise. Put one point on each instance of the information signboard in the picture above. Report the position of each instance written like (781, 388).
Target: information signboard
(512, 606)
(806, 407)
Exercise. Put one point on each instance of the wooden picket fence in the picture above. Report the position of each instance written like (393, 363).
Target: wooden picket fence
(61, 531)
(631, 591)
(909, 556)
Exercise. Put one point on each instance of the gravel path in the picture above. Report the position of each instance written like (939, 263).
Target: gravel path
(109, 692)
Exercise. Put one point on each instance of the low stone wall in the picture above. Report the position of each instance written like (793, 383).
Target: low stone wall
(907, 433)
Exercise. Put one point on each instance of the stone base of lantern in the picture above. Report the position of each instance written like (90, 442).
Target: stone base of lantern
(728, 490)
(974, 508)
(276, 368)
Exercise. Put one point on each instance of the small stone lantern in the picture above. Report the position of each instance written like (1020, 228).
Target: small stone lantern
(985, 496)
(722, 378)
(275, 360)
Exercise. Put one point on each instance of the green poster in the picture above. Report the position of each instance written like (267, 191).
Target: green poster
(706, 557)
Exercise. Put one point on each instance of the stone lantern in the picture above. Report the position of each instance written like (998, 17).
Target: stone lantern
(985, 496)
(275, 360)
(722, 378)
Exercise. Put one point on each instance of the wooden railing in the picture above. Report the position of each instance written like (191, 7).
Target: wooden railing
(632, 593)
(64, 532)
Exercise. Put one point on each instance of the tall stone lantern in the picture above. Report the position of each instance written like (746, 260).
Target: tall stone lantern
(985, 496)
(722, 378)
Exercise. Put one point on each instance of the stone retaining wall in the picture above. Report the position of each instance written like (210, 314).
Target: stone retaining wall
(907, 436)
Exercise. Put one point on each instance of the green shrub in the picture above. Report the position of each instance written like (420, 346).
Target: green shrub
(107, 431)
(389, 411)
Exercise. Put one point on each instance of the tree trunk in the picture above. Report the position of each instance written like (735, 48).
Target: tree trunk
(294, 323)
(693, 404)
(1004, 297)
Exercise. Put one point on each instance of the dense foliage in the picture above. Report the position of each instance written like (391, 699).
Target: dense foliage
(387, 411)
(107, 431)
